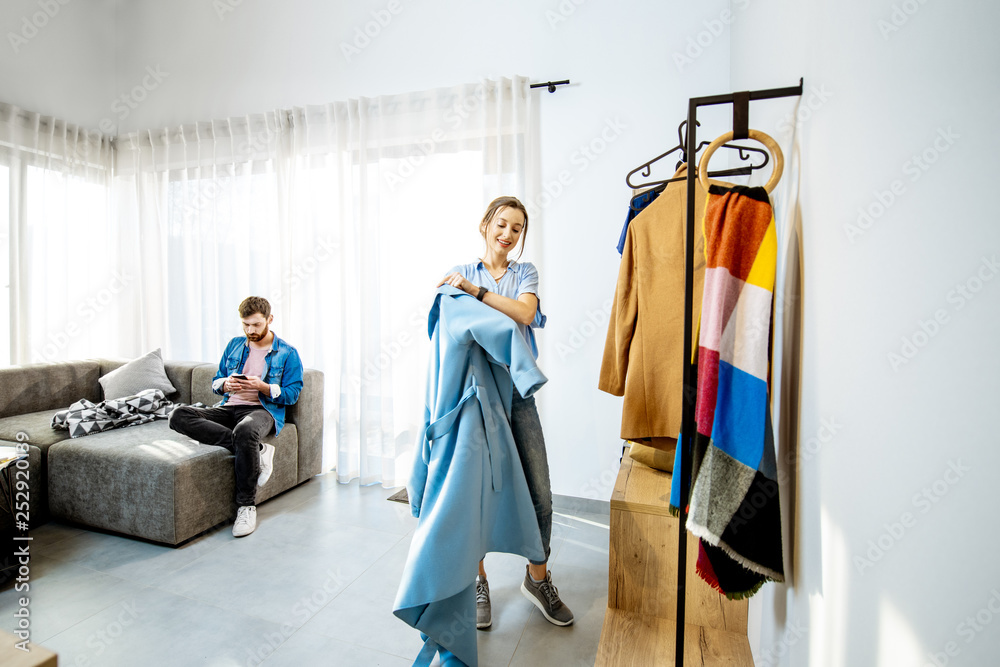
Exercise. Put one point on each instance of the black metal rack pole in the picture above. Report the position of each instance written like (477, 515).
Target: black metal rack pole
(690, 371)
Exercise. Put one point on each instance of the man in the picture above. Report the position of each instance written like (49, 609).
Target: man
(258, 376)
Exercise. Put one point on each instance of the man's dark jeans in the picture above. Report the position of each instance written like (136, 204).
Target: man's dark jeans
(238, 428)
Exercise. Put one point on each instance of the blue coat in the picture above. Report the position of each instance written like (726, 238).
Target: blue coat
(468, 488)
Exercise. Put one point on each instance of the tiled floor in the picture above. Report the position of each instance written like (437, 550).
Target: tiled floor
(314, 585)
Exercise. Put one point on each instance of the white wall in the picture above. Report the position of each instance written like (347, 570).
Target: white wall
(875, 97)
(59, 59)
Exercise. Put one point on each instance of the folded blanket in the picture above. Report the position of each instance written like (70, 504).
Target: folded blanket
(734, 505)
(86, 418)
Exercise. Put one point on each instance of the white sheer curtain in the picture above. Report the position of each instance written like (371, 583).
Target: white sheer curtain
(63, 285)
(344, 216)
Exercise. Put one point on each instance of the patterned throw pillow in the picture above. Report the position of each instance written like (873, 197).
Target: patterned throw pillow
(146, 372)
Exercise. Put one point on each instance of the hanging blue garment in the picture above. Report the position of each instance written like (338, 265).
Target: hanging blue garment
(635, 208)
(467, 487)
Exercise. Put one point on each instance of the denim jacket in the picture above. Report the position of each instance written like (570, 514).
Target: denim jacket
(467, 487)
(282, 367)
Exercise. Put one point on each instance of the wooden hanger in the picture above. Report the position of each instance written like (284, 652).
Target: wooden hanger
(756, 135)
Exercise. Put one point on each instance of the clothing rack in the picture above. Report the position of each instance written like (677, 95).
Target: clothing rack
(741, 112)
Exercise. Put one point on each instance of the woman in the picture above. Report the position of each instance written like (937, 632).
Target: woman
(512, 288)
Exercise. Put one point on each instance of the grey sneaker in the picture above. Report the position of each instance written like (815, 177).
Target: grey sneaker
(246, 521)
(484, 610)
(545, 596)
(266, 464)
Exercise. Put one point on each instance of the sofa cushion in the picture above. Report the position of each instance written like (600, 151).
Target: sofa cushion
(151, 482)
(179, 373)
(146, 372)
(201, 385)
(35, 387)
(36, 425)
(307, 413)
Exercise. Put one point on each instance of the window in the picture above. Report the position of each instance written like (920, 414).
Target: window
(68, 262)
(221, 247)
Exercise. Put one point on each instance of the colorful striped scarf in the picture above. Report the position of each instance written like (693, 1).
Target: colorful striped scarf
(734, 505)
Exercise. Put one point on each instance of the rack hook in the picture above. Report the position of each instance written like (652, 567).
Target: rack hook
(682, 140)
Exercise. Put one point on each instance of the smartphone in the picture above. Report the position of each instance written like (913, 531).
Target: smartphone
(239, 376)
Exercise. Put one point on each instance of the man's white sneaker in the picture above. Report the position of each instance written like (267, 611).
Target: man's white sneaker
(266, 464)
(246, 521)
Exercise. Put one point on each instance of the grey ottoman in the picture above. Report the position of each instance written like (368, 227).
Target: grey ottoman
(151, 482)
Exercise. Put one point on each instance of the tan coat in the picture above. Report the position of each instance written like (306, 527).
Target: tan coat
(644, 350)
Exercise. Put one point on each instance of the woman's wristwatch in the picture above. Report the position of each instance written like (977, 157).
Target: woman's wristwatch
(482, 293)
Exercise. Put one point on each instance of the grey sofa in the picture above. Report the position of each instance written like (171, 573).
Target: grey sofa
(146, 481)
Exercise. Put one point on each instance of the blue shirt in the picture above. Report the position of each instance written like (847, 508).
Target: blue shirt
(520, 278)
(282, 367)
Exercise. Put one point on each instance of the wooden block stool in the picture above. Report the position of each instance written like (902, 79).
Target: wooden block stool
(640, 622)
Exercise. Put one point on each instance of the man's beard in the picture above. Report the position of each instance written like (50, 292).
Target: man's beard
(258, 337)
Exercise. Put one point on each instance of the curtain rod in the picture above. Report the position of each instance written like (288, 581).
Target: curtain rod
(551, 85)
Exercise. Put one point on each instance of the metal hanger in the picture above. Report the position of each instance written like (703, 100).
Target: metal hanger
(744, 154)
